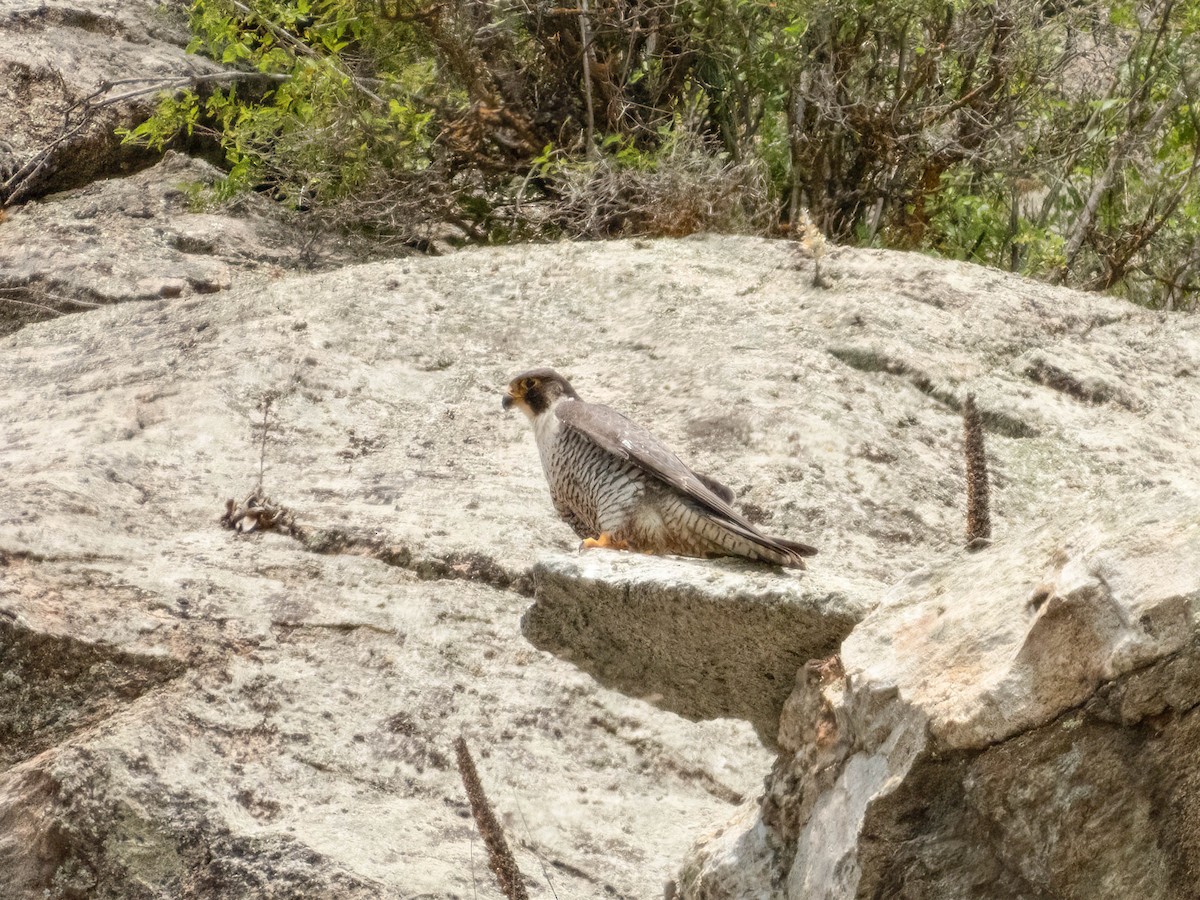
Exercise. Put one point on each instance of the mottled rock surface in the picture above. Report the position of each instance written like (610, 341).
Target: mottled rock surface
(705, 639)
(143, 237)
(88, 220)
(272, 715)
(56, 54)
(979, 740)
(1018, 722)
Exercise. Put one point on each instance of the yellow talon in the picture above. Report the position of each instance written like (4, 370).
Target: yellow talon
(604, 540)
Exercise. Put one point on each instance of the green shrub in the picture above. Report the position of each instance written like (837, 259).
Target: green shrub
(1058, 140)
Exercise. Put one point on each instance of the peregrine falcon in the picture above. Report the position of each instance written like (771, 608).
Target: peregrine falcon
(618, 486)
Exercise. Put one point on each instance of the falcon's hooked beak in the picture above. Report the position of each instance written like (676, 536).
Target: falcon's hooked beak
(514, 396)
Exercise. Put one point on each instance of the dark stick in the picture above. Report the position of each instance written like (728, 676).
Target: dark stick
(979, 520)
(512, 885)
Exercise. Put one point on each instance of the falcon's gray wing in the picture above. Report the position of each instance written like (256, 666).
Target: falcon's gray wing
(626, 439)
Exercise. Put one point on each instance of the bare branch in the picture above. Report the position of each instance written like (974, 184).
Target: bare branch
(1119, 157)
(24, 179)
(512, 883)
(979, 519)
(586, 40)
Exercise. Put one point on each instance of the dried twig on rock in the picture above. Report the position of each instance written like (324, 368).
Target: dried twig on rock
(512, 884)
(979, 519)
(257, 513)
(265, 405)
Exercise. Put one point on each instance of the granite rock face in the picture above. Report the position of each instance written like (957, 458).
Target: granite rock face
(205, 714)
(705, 639)
(1018, 722)
(979, 737)
(88, 220)
(57, 56)
(144, 237)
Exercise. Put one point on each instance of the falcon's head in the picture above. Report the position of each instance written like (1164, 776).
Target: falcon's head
(535, 391)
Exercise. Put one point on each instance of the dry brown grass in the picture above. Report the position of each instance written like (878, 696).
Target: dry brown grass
(685, 191)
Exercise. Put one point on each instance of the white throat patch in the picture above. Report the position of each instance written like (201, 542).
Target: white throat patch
(546, 426)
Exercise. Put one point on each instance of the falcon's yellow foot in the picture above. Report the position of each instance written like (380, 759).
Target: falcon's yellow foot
(604, 540)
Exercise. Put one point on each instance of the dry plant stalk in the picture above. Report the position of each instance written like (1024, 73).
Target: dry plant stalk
(257, 512)
(813, 241)
(265, 405)
(979, 519)
(512, 884)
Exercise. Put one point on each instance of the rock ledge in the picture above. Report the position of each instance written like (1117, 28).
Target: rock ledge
(704, 639)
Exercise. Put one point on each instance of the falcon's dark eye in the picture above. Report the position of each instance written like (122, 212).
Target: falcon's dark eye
(529, 384)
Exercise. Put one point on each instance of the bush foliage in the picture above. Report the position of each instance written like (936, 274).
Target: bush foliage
(1055, 139)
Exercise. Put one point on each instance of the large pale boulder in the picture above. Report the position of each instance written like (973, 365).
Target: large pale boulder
(83, 224)
(985, 733)
(1017, 722)
(197, 713)
(69, 76)
(143, 237)
(272, 715)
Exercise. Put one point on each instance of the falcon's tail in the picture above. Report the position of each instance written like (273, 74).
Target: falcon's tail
(796, 547)
(780, 551)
